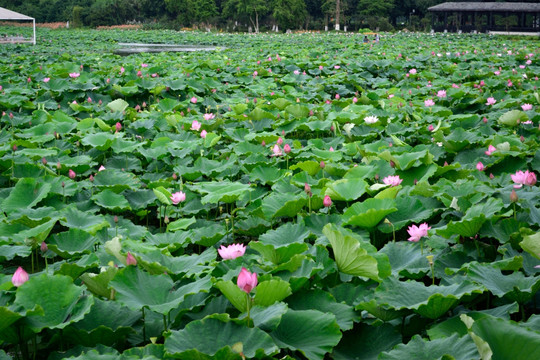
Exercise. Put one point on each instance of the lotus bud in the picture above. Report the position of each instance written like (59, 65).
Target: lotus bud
(287, 148)
(513, 196)
(14, 147)
(115, 219)
(322, 165)
(166, 219)
(392, 164)
(44, 247)
(174, 176)
(130, 260)
(307, 189)
(71, 174)
(327, 201)
(279, 141)
(118, 127)
(19, 277)
(91, 178)
(63, 184)
(44, 161)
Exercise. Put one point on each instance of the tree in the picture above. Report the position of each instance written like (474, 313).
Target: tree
(289, 13)
(249, 8)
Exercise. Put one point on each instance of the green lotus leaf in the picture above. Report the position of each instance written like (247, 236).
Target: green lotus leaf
(234, 294)
(531, 244)
(346, 189)
(101, 141)
(323, 301)
(298, 111)
(120, 105)
(111, 200)
(266, 318)
(278, 255)
(515, 286)
(453, 347)
(409, 159)
(64, 305)
(282, 204)
(73, 241)
(310, 167)
(115, 180)
(217, 339)
(269, 292)
(366, 342)
(181, 224)
(80, 220)
(267, 175)
(311, 332)
(429, 301)
(8, 252)
(369, 213)
(506, 338)
(137, 289)
(413, 209)
(225, 191)
(350, 257)
(26, 194)
(513, 118)
(406, 259)
(99, 283)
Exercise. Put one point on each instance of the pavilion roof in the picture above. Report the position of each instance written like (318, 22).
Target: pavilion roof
(487, 6)
(6, 14)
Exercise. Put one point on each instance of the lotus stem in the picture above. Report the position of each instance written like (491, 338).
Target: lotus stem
(164, 322)
(248, 299)
(144, 326)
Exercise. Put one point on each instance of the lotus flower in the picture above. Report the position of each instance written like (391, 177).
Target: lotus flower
(327, 201)
(480, 166)
(72, 174)
(246, 280)
(521, 178)
(232, 251)
(276, 151)
(280, 140)
(491, 101)
(371, 119)
(441, 94)
(209, 116)
(101, 168)
(118, 126)
(45, 80)
(412, 71)
(19, 277)
(178, 197)
(287, 148)
(491, 149)
(417, 232)
(195, 125)
(392, 180)
(74, 75)
(429, 102)
(203, 134)
(193, 100)
(43, 247)
(526, 107)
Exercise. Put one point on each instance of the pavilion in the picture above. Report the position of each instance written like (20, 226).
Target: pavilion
(486, 16)
(6, 14)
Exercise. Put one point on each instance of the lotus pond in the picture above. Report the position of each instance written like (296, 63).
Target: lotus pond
(298, 196)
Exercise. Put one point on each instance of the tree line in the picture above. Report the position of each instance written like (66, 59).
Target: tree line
(233, 15)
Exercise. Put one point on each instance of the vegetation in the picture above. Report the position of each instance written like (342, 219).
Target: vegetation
(293, 196)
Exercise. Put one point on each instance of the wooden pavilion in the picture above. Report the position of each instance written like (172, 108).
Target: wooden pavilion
(6, 14)
(486, 16)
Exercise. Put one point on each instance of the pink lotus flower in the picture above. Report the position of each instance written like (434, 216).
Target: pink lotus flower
(72, 174)
(417, 232)
(327, 201)
(255, 73)
(246, 280)
(130, 260)
(19, 277)
(296, 72)
(526, 107)
(232, 251)
(209, 116)
(480, 166)
(430, 127)
(355, 100)
(101, 168)
(279, 141)
(491, 101)
(144, 65)
(276, 151)
(45, 80)
(195, 125)
(203, 134)
(521, 178)
(74, 75)
(491, 149)
(429, 102)
(412, 71)
(392, 180)
(118, 126)
(193, 100)
(122, 70)
(178, 197)
(441, 94)
(321, 67)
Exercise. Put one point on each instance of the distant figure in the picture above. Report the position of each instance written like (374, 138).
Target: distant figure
(366, 40)
(377, 38)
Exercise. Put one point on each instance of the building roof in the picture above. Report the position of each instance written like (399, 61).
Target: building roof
(487, 6)
(6, 14)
